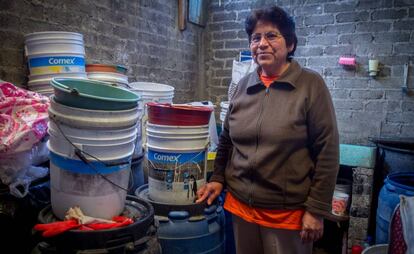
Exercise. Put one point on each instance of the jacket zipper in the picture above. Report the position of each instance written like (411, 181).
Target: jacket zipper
(258, 126)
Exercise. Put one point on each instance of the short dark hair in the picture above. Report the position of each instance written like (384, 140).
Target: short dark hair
(277, 16)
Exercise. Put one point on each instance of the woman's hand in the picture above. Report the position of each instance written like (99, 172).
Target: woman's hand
(210, 191)
(312, 227)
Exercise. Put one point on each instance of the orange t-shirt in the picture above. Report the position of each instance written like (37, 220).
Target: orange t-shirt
(273, 218)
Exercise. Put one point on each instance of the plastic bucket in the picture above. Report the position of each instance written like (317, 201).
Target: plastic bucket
(96, 119)
(109, 144)
(54, 41)
(110, 77)
(395, 185)
(95, 187)
(176, 164)
(152, 92)
(55, 52)
(42, 82)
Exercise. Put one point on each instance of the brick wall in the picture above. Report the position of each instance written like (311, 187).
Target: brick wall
(327, 29)
(143, 35)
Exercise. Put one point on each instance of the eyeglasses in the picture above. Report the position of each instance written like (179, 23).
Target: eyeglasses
(269, 37)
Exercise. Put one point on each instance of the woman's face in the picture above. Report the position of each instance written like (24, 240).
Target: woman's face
(268, 47)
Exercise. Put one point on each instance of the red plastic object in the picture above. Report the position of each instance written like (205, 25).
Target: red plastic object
(356, 249)
(178, 115)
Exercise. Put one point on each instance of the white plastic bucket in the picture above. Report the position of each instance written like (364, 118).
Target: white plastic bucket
(93, 119)
(54, 41)
(111, 77)
(152, 92)
(74, 183)
(106, 144)
(55, 52)
(177, 162)
(42, 82)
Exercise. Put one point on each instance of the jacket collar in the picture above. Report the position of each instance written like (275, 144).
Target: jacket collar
(288, 78)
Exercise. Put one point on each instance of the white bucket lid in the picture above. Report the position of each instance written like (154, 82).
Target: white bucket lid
(149, 88)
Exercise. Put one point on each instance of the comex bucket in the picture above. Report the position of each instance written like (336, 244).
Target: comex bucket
(176, 154)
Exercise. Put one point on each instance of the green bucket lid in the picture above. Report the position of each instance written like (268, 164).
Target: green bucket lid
(92, 94)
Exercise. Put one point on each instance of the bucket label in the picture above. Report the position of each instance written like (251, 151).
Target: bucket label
(177, 172)
(56, 64)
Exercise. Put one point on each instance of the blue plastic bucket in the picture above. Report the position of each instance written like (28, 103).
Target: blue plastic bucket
(394, 185)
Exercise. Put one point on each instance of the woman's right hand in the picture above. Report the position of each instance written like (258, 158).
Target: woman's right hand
(210, 191)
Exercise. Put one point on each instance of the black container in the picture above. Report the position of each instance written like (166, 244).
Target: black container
(19, 215)
(139, 237)
(396, 154)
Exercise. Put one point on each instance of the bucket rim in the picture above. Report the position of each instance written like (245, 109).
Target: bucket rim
(180, 138)
(390, 179)
(129, 155)
(56, 83)
(163, 149)
(150, 86)
(53, 33)
(177, 126)
(54, 102)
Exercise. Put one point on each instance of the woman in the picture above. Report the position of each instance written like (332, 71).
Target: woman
(278, 151)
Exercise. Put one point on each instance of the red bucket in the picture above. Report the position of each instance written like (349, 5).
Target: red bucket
(178, 115)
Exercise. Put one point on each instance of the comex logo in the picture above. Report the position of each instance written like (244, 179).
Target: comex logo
(61, 61)
(169, 158)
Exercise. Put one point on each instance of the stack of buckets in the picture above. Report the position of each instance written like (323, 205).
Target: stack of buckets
(176, 151)
(53, 54)
(114, 74)
(148, 92)
(90, 158)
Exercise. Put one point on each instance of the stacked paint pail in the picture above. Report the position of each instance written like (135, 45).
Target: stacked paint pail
(53, 54)
(90, 151)
(176, 151)
(177, 143)
(114, 74)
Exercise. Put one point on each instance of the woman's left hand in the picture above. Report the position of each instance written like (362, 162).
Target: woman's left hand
(312, 227)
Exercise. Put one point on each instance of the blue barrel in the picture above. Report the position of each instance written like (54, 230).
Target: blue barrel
(394, 185)
(188, 229)
(180, 233)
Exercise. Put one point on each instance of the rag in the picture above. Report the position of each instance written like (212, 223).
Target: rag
(75, 219)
